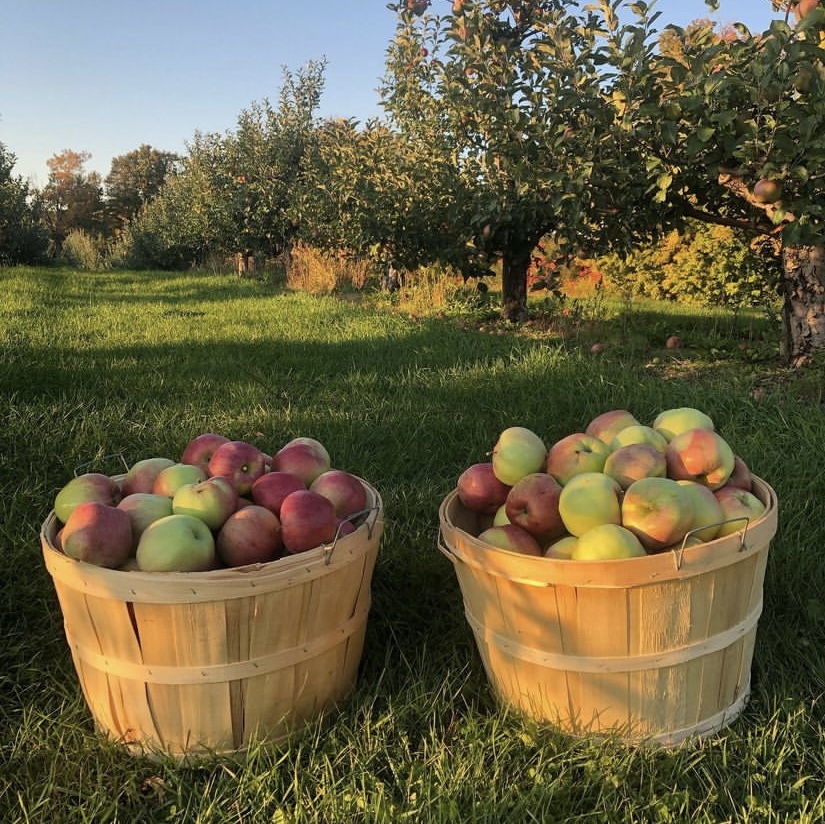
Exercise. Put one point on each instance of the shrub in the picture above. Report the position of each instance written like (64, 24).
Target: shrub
(82, 251)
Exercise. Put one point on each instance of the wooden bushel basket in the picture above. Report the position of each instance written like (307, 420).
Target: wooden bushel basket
(190, 664)
(654, 649)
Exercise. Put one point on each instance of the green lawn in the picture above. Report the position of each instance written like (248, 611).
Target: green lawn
(134, 365)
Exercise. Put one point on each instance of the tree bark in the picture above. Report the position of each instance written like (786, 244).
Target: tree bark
(514, 266)
(803, 311)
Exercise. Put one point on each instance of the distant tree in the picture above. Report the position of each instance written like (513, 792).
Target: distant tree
(134, 180)
(22, 236)
(72, 197)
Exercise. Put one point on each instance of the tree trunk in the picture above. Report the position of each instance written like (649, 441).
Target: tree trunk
(514, 266)
(803, 312)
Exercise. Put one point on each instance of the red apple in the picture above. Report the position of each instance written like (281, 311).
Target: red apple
(242, 463)
(699, 455)
(200, 449)
(141, 475)
(271, 488)
(305, 457)
(673, 342)
(212, 500)
(91, 486)
(741, 476)
(658, 511)
(511, 537)
(607, 425)
(308, 520)
(251, 535)
(739, 508)
(634, 461)
(533, 504)
(344, 489)
(99, 534)
(574, 454)
(480, 490)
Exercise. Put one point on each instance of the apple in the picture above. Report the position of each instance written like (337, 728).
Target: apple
(700, 455)
(737, 505)
(345, 527)
(305, 457)
(658, 511)
(251, 535)
(607, 542)
(562, 548)
(533, 504)
(741, 476)
(242, 463)
(589, 499)
(767, 190)
(344, 489)
(511, 537)
(143, 508)
(517, 452)
(176, 543)
(805, 7)
(140, 477)
(639, 433)
(597, 348)
(500, 517)
(91, 486)
(97, 533)
(608, 424)
(574, 454)
(673, 342)
(671, 422)
(170, 479)
(480, 490)
(271, 488)
(707, 512)
(200, 449)
(308, 520)
(212, 500)
(634, 461)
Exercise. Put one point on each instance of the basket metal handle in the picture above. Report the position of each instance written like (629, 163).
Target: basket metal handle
(328, 550)
(678, 553)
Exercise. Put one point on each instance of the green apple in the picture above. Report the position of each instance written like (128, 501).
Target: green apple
(672, 422)
(500, 517)
(739, 508)
(700, 455)
(562, 548)
(607, 542)
(606, 426)
(588, 500)
(511, 537)
(574, 454)
(658, 511)
(212, 500)
(634, 461)
(144, 508)
(91, 486)
(170, 479)
(141, 475)
(518, 452)
(176, 543)
(707, 511)
(639, 433)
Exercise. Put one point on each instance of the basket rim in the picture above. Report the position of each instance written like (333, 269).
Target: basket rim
(228, 582)
(462, 547)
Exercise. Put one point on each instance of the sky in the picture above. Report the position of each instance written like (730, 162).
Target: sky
(107, 76)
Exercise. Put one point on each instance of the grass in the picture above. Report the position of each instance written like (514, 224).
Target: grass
(134, 365)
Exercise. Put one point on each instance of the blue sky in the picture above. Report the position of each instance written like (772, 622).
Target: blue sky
(105, 76)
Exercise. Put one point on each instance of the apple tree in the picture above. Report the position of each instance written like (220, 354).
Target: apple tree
(22, 235)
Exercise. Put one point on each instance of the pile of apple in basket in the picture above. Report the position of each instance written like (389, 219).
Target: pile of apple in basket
(224, 503)
(619, 489)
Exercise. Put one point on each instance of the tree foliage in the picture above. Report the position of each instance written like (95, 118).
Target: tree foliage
(22, 235)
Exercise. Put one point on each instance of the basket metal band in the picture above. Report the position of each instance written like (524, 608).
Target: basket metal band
(217, 673)
(615, 663)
